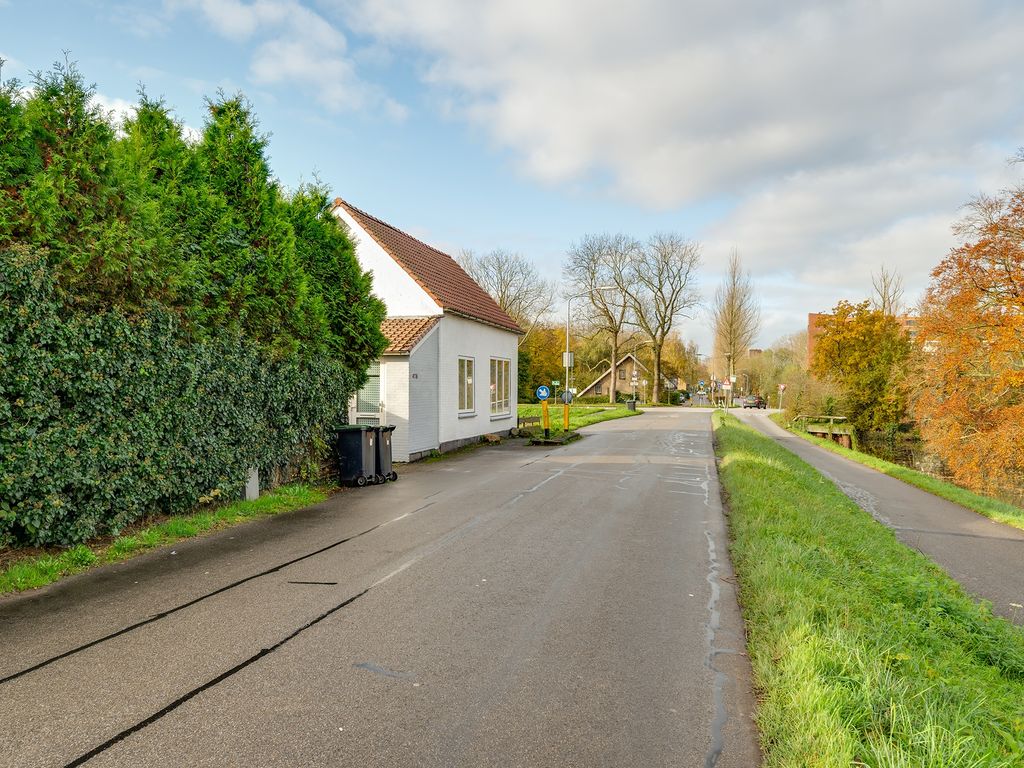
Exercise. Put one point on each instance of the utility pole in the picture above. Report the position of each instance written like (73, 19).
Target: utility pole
(732, 378)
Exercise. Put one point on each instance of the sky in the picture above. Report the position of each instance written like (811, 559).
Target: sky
(819, 140)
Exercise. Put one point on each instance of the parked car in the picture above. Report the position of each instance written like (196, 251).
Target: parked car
(754, 401)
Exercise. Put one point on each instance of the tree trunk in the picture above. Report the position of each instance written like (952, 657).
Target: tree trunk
(615, 357)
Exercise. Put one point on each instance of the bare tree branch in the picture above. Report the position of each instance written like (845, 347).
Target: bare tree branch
(596, 262)
(888, 297)
(514, 283)
(659, 288)
(735, 313)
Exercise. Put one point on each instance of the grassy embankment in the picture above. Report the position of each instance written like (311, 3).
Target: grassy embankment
(864, 652)
(579, 415)
(37, 570)
(999, 511)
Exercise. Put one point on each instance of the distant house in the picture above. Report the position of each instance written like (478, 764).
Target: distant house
(624, 371)
(449, 372)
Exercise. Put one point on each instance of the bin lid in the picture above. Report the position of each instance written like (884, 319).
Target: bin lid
(352, 428)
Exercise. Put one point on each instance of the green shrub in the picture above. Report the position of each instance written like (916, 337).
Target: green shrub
(105, 418)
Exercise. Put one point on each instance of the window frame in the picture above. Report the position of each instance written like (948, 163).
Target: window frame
(466, 385)
(500, 390)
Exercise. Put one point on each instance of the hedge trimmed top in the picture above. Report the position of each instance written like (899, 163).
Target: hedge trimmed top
(140, 213)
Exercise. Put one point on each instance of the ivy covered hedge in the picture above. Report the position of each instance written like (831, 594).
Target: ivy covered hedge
(106, 418)
(170, 315)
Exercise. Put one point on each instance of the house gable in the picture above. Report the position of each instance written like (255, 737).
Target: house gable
(601, 385)
(436, 273)
(403, 296)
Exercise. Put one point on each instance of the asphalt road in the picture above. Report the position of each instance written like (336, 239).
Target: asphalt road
(986, 557)
(512, 607)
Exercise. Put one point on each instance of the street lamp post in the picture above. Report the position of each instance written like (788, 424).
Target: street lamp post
(567, 357)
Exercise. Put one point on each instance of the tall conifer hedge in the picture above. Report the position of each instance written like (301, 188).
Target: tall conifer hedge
(169, 317)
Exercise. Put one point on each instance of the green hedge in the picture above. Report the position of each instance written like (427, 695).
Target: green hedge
(106, 418)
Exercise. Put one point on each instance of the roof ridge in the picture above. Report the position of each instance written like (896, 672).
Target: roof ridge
(438, 274)
(347, 204)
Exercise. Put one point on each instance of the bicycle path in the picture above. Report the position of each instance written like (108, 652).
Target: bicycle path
(985, 557)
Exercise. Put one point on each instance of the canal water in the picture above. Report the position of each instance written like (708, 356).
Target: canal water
(913, 453)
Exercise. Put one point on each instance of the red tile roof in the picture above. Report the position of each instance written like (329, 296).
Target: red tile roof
(404, 333)
(435, 271)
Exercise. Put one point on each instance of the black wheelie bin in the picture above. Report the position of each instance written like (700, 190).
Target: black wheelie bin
(355, 453)
(384, 468)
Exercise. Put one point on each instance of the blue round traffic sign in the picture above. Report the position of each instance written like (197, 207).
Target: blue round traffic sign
(701, 382)
(543, 393)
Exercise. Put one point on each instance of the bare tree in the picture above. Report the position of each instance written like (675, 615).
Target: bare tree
(514, 283)
(658, 285)
(888, 296)
(735, 313)
(595, 263)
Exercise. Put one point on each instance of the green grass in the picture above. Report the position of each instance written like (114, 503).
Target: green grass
(999, 511)
(579, 415)
(864, 652)
(40, 570)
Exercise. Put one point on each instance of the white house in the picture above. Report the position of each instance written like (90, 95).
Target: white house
(449, 373)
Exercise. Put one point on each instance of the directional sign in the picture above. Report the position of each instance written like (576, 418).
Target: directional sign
(543, 393)
(782, 387)
(555, 383)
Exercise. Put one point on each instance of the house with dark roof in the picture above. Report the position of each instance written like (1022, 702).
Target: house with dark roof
(449, 372)
(626, 370)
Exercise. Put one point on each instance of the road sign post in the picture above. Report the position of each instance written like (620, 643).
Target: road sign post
(543, 393)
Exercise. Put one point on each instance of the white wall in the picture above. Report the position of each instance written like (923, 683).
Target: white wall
(423, 394)
(459, 337)
(395, 394)
(403, 296)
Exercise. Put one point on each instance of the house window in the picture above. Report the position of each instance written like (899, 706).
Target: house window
(622, 374)
(500, 370)
(597, 389)
(466, 403)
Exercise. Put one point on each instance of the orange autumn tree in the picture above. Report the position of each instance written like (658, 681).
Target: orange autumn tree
(970, 394)
(863, 351)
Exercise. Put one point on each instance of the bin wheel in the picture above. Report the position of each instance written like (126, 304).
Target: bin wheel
(360, 481)
(394, 476)
(378, 479)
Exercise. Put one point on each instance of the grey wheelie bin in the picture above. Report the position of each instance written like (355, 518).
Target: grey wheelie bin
(355, 453)
(384, 468)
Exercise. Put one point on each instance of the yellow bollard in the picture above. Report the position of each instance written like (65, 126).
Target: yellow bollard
(565, 417)
(545, 418)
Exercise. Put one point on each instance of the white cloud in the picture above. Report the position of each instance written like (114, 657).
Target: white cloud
(677, 101)
(11, 66)
(117, 109)
(294, 46)
(845, 135)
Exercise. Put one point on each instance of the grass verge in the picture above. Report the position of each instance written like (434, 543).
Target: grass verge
(864, 652)
(999, 511)
(38, 570)
(579, 415)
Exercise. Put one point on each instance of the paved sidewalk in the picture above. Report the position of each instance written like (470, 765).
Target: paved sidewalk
(986, 557)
